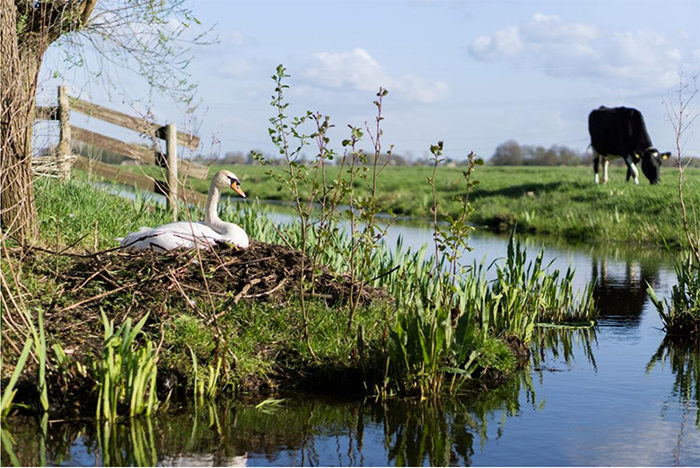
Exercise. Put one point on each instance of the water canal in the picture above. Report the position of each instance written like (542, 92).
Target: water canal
(616, 395)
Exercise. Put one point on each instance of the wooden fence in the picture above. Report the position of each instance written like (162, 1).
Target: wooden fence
(174, 169)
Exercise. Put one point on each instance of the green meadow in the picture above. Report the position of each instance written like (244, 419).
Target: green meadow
(557, 201)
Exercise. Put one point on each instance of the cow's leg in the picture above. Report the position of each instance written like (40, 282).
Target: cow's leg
(596, 163)
(605, 170)
(631, 170)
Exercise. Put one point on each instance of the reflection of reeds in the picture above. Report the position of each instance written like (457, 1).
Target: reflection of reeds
(416, 432)
(131, 444)
(684, 361)
(442, 432)
(560, 342)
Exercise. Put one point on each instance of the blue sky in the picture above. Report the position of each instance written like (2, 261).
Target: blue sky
(471, 73)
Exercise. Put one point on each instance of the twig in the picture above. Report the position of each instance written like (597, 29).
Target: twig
(245, 289)
(201, 291)
(73, 325)
(385, 274)
(94, 242)
(88, 280)
(162, 338)
(267, 293)
(248, 262)
(72, 254)
(281, 236)
(73, 244)
(189, 301)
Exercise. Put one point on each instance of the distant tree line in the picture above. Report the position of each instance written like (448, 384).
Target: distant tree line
(100, 154)
(238, 157)
(511, 153)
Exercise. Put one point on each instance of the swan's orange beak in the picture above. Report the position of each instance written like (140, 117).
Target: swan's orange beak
(237, 188)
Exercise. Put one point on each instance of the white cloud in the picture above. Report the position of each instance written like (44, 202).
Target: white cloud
(503, 43)
(358, 70)
(234, 68)
(562, 48)
(235, 38)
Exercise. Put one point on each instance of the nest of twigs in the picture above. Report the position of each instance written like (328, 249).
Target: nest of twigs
(263, 271)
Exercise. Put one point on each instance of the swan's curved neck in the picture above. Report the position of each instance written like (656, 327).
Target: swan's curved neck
(211, 214)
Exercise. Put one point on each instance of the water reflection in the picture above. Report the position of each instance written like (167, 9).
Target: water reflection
(444, 432)
(684, 361)
(549, 344)
(441, 432)
(621, 287)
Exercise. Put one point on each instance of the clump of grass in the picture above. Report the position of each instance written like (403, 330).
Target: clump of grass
(127, 372)
(68, 214)
(682, 358)
(36, 339)
(680, 313)
(525, 293)
(205, 386)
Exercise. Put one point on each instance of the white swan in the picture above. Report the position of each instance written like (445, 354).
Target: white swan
(185, 234)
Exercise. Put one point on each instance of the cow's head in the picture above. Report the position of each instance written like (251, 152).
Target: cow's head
(651, 163)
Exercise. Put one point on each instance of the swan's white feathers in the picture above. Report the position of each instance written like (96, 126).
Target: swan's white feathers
(187, 235)
(182, 235)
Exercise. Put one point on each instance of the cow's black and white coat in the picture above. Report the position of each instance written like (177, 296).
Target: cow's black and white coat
(620, 132)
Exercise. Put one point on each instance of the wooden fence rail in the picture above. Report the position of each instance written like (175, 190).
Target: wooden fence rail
(172, 166)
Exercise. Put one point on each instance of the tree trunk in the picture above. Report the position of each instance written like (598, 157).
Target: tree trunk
(19, 68)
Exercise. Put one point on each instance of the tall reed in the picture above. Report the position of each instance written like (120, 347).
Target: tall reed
(36, 338)
(127, 372)
(9, 392)
(204, 385)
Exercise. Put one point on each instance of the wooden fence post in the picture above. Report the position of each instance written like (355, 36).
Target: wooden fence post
(65, 156)
(171, 163)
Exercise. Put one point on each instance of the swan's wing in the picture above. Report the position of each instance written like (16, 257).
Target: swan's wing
(172, 236)
(130, 237)
(238, 237)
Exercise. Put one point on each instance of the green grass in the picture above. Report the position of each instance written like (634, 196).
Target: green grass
(560, 201)
(71, 214)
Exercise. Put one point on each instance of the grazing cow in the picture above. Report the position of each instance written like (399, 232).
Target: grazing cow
(620, 133)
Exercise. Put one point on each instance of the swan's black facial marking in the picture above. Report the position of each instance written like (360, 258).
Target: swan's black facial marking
(236, 185)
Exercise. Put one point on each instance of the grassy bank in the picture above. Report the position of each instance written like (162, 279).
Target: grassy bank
(209, 331)
(558, 201)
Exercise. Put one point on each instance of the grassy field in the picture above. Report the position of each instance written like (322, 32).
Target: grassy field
(559, 201)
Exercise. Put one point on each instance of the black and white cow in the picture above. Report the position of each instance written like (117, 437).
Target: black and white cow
(620, 132)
